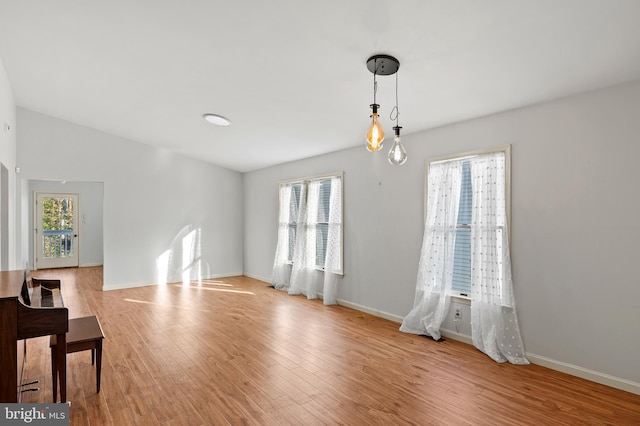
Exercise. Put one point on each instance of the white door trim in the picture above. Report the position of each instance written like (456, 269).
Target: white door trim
(54, 262)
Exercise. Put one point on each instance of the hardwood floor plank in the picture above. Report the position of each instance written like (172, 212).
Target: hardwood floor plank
(97, 410)
(140, 409)
(121, 416)
(233, 351)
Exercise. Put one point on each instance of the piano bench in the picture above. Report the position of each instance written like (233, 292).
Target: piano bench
(84, 334)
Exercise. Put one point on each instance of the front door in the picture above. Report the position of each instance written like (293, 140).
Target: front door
(56, 230)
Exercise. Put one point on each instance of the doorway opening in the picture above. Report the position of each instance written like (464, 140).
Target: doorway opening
(56, 231)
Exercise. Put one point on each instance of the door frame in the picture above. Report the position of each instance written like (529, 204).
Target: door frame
(4, 218)
(68, 262)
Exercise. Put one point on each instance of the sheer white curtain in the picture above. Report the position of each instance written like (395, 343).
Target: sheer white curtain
(494, 325)
(281, 267)
(299, 273)
(304, 275)
(333, 261)
(435, 270)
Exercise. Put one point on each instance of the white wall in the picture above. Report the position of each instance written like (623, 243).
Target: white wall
(8, 159)
(152, 198)
(90, 207)
(575, 232)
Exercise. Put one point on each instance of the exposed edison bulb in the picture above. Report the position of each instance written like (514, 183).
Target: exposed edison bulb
(375, 134)
(397, 153)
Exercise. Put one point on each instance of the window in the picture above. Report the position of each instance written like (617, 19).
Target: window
(309, 251)
(462, 252)
(462, 269)
(322, 226)
(315, 196)
(466, 224)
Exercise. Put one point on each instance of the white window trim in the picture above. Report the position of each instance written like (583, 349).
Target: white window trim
(323, 176)
(507, 188)
(310, 178)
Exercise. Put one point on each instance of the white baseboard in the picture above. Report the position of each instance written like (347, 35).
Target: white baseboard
(89, 265)
(123, 286)
(256, 277)
(374, 312)
(80, 265)
(584, 373)
(450, 334)
(227, 275)
(574, 370)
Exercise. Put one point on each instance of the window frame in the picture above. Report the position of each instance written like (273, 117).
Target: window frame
(321, 177)
(506, 149)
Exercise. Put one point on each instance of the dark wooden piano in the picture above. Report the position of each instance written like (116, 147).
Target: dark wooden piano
(25, 314)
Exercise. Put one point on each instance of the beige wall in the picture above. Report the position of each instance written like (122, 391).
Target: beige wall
(153, 199)
(8, 160)
(574, 232)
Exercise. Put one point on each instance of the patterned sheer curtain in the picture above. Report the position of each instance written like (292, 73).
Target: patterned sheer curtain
(494, 325)
(281, 267)
(333, 253)
(290, 205)
(305, 276)
(435, 271)
(308, 230)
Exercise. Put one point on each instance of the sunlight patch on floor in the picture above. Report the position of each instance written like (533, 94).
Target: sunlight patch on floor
(224, 290)
(164, 305)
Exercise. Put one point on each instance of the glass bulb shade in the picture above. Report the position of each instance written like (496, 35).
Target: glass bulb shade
(375, 134)
(397, 153)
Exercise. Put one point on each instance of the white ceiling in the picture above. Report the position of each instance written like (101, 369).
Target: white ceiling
(291, 74)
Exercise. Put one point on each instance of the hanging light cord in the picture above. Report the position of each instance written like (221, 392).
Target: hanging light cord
(375, 83)
(395, 112)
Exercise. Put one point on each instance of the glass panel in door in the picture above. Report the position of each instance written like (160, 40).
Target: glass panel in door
(56, 230)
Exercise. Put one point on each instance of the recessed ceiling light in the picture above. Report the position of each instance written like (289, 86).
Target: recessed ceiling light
(216, 119)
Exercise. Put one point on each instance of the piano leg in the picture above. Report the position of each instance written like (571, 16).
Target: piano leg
(54, 373)
(62, 360)
(59, 367)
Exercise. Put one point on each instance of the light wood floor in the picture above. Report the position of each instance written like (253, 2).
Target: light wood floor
(233, 351)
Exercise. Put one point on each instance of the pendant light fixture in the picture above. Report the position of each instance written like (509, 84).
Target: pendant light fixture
(384, 65)
(375, 134)
(397, 153)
